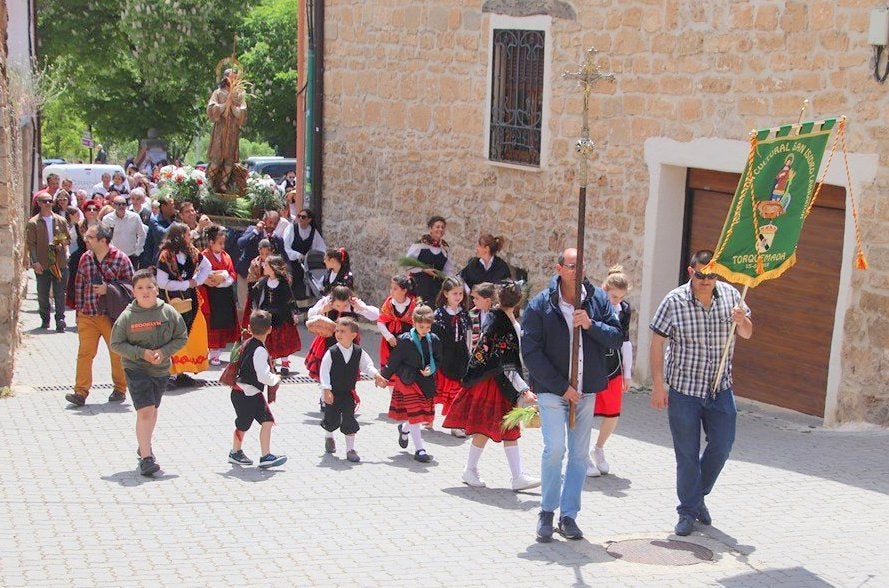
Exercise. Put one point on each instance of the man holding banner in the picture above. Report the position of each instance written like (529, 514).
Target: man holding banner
(696, 318)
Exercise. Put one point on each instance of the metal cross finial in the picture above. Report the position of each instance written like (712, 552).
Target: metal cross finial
(588, 74)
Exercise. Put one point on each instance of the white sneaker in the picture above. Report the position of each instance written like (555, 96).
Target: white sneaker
(591, 470)
(599, 459)
(459, 433)
(524, 482)
(471, 478)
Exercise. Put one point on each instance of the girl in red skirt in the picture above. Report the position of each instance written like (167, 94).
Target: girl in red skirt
(452, 328)
(339, 303)
(273, 294)
(619, 365)
(411, 369)
(254, 273)
(491, 388)
(218, 292)
(396, 314)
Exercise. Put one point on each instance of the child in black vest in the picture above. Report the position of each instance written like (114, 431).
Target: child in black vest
(254, 374)
(341, 367)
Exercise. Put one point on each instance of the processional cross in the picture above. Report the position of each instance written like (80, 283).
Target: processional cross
(588, 74)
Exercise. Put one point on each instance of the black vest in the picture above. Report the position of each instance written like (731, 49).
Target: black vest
(246, 371)
(299, 244)
(343, 376)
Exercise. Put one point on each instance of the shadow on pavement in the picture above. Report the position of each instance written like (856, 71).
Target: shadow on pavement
(569, 554)
(406, 461)
(785, 577)
(496, 497)
(725, 539)
(444, 439)
(609, 485)
(96, 409)
(785, 441)
(134, 478)
(250, 473)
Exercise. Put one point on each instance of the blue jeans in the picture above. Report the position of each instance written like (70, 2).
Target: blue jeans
(554, 428)
(696, 473)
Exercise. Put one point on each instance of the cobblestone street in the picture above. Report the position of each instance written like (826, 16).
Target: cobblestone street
(797, 505)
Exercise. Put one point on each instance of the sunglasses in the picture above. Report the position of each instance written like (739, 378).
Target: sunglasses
(302, 216)
(91, 209)
(701, 276)
(119, 204)
(45, 201)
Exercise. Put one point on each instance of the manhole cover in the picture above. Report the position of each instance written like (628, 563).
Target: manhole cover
(659, 552)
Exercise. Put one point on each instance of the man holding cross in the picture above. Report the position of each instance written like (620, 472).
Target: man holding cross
(548, 327)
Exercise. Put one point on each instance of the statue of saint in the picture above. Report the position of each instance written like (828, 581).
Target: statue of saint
(228, 111)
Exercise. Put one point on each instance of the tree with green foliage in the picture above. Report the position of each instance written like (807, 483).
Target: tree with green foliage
(268, 52)
(132, 65)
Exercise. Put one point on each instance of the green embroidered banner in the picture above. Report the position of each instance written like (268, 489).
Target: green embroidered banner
(773, 198)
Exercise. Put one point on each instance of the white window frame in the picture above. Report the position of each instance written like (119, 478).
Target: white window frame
(541, 23)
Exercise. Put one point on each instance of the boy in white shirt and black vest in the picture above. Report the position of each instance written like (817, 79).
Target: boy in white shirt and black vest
(341, 367)
(254, 374)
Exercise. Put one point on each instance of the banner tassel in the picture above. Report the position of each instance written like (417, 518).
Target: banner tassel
(860, 260)
(760, 268)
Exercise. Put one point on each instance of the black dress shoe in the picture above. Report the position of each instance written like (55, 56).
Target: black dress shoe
(402, 437)
(44, 324)
(422, 457)
(60, 326)
(185, 381)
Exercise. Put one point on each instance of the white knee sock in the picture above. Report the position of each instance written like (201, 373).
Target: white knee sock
(350, 442)
(416, 436)
(328, 434)
(514, 458)
(475, 454)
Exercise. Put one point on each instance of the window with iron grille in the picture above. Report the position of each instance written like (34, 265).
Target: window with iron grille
(516, 96)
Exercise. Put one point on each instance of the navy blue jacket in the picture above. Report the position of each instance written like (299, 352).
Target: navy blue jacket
(546, 340)
(248, 244)
(157, 230)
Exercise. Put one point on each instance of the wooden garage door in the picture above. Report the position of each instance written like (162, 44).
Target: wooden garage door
(786, 361)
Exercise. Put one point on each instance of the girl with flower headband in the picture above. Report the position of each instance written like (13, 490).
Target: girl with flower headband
(339, 272)
(396, 314)
(432, 251)
(452, 327)
(492, 386)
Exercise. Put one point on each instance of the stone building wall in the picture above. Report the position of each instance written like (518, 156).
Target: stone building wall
(406, 86)
(10, 220)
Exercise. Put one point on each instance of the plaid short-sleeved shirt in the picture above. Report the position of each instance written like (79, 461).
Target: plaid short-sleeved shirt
(695, 337)
(115, 266)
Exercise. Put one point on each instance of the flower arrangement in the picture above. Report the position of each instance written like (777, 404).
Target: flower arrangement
(56, 252)
(262, 192)
(184, 184)
(414, 263)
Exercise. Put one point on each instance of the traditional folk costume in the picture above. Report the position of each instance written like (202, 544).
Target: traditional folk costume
(218, 304)
(395, 318)
(478, 320)
(173, 274)
(453, 330)
(333, 279)
(412, 392)
(492, 383)
(340, 370)
(619, 365)
(274, 296)
(433, 253)
(321, 344)
(476, 272)
(298, 242)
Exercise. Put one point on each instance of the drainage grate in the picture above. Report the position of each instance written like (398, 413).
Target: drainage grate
(201, 384)
(659, 552)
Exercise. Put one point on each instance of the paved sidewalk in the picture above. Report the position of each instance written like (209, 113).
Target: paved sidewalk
(797, 505)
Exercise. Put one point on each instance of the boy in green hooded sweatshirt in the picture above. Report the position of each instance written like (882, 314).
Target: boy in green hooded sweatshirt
(145, 335)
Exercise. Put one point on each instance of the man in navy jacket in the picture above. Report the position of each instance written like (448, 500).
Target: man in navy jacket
(248, 246)
(547, 328)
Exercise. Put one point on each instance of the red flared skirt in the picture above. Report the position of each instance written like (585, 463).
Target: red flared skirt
(283, 341)
(479, 409)
(409, 404)
(220, 338)
(446, 390)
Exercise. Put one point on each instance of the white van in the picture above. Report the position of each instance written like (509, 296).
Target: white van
(84, 175)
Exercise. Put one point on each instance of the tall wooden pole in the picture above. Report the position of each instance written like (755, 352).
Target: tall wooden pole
(586, 76)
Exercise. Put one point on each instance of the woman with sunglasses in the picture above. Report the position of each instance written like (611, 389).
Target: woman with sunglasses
(77, 246)
(300, 237)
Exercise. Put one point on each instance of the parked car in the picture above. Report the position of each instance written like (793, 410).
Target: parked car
(51, 160)
(84, 176)
(275, 168)
(251, 162)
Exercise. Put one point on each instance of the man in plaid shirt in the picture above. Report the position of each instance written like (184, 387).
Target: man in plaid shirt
(103, 263)
(694, 321)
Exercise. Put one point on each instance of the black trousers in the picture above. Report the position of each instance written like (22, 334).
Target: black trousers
(46, 282)
(341, 414)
